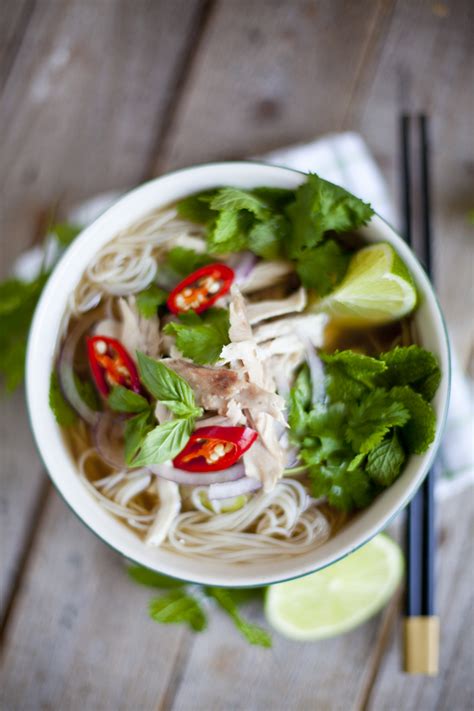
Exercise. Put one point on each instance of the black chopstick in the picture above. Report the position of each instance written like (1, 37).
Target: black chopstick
(421, 625)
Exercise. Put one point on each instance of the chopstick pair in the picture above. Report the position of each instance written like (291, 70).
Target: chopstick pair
(421, 625)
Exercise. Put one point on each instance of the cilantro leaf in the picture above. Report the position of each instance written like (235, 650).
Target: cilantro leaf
(136, 429)
(184, 261)
(323, 267)
(124, 400)
(150, 299)
(349, 375)
(65, 232)
(412, 365)
(163, 383)
(419, 432)
(386, 460)
(228, 233)
(234, 199)
(195, 208)
(321, 206)
(254, 634)
(266, 238)
(370, 421)
(63, 412)
(345, 489)
(153, 579)
(164, 442)
(178, 607)
(201, 338)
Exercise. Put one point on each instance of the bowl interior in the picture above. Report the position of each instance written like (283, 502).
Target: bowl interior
(42, 348)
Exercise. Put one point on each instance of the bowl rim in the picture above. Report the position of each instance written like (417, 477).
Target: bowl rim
(258, 581)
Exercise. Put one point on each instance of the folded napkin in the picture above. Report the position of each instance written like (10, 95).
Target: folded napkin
(343, 159)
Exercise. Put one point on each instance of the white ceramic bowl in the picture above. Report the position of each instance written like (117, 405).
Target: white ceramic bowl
(43, 344)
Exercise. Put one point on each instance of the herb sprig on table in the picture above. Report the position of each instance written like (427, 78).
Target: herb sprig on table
(376, 413)
(187, 603)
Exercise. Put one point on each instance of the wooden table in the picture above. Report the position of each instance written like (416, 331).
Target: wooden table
(103, 94)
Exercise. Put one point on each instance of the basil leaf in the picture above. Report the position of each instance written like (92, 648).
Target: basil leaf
(124, 400)
(164, 442)
(163, 383)
(62, 410)
(136, 429)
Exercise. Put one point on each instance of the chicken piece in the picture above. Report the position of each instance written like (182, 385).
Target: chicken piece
(214, 387)
(313, 325)
(283, 367)
(265, 274)
(170, 506)
(262, 310)
(108, 327)
(138, 333)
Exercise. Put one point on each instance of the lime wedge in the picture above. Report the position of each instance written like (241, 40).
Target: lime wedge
(338, 598)
(377, 289)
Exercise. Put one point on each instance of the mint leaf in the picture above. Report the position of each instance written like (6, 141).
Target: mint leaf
(234, 199)
(136, 429)
(321, 206)
(195, 208)
(323, 267)
(370, 421)
(164, 384)
(177, 607)
(349, 375)
(64, 414)
(386, 460)
(419, 432)
(227, 601)
(164, 442)
(201, 338)
(124, 400)
(153, 579)
(150, 299)
(412, 365)
(184, 261)
(65, 232)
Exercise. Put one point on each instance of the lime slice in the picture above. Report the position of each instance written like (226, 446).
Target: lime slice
(376, 289)
(338, 598)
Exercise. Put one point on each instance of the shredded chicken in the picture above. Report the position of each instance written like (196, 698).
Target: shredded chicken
(313, 325)
(262, 310)
(135, 332)
(265, 274)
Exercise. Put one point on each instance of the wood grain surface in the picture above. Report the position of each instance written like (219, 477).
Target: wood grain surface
(98, 95)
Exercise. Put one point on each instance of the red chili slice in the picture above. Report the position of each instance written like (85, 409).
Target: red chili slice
(111, 365)
(210, 449)
(201, 289)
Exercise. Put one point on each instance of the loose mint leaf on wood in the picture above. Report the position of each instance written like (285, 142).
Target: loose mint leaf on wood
(152, 579)
(254, 634)
(177, 607)
(65, 232)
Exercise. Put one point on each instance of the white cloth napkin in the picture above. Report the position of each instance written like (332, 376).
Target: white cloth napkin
(343, 159)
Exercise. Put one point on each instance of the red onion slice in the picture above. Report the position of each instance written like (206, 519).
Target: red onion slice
(108, 439)
(228, 489)
(243, 267)
(179, 476)
(66, 371)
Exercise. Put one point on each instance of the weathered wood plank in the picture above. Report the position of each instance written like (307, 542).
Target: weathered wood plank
(81, 638)
(82, 105)
(15, 17)
(454, 687)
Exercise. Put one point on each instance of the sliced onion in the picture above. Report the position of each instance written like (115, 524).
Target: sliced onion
(108, 439)
(243, 267)
(179, 476)
(229, 489)
(66, 371)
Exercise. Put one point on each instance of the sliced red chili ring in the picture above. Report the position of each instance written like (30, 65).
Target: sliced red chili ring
(210, 449)
(201, 289)
(111, 365)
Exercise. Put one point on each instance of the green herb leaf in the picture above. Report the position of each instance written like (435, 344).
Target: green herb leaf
(323, 267)
(419, 432)
(136, 429)
(164, 384)
(152, 579)
(184, 261)
(300, 402)
(201, 338)
(228, 233)
(371, 420)
(234, 200)
(177, 607)
(150, 299)
(195, 208)
(319, 207)
(88, 393)
(227, 601)
(386, 460)
(63, 412)
(349, 375)
(345, 489)
(267, 238)
(164, 442)
(413, 366)
(124, 400)
(65, 233)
